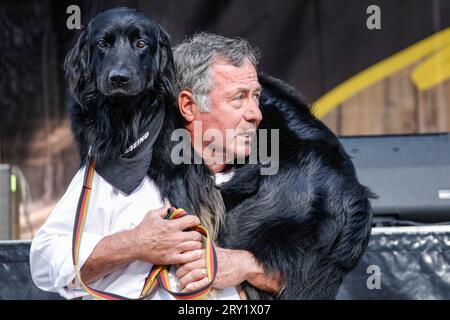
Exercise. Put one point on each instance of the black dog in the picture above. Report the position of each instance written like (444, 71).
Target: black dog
(311, 220)
(121, 80)
(120, 65)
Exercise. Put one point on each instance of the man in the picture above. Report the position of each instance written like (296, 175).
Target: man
(219, 92)
(123, 239)
(306, 223)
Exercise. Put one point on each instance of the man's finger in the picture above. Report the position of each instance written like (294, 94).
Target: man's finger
(193, 276)
(192, 236)
(186, 257)
(163, 211)
(196, 285)
(190, 246)
(186, 222)
(188, 267)
(165, 207)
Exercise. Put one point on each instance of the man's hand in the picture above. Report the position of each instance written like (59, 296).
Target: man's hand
(155, 240)
(230, 273)
(161, 241)
(234, 267)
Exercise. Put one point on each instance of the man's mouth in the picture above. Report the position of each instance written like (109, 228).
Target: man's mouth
(247, 133)
(246, 137)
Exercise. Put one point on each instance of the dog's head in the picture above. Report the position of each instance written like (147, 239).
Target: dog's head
(121, 53)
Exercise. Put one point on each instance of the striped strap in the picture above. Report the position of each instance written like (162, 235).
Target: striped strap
(159, 274)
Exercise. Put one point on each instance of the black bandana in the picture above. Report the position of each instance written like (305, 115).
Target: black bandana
(127, 172)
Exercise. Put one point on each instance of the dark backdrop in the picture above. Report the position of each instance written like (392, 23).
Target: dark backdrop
(312, 44)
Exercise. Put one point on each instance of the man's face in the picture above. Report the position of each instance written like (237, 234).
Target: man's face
(234, 104)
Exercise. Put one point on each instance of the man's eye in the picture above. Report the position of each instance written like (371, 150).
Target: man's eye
(102, 44)
(141, 44)
(240, 97)
(256, 96)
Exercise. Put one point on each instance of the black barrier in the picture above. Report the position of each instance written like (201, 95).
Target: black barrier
(402, 263)
(15, 276)
(399, 263)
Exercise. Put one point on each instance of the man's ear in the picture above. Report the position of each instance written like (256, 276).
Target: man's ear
(187, 105)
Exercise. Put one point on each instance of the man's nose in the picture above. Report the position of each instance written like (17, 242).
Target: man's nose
(119, 77)
(253, 113)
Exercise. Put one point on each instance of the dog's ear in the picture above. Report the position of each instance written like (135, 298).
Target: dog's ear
(164, 66)
(76, 67)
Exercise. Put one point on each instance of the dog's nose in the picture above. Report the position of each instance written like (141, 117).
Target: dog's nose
(118, 78)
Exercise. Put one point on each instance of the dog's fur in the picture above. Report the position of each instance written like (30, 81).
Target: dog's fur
(311, 221)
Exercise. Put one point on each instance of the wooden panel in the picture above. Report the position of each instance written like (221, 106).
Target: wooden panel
(400, 104)
(428, 111)
(363, 114)
(442, 104)
(332, 120)
(394, 106)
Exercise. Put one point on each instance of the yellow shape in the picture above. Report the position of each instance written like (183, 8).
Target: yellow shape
(433, 71)
(379, 71)
(13, 183)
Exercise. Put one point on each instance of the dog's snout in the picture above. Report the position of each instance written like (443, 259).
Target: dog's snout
(119, 78)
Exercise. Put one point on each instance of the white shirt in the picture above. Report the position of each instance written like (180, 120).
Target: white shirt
(110, 211)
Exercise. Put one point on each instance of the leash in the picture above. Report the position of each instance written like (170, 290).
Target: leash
(158, 274)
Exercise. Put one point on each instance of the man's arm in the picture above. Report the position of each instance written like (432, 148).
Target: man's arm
(271, 282)
(234, 267)
(111, 254)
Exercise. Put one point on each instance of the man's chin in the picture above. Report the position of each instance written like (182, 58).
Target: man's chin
(243, 151)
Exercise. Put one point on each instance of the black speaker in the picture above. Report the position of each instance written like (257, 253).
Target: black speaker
(409, 173)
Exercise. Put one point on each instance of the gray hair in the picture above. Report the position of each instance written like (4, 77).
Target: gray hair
(194, 57)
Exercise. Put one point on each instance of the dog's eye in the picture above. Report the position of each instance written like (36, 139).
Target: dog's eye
(141, 44)
(102, 44)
